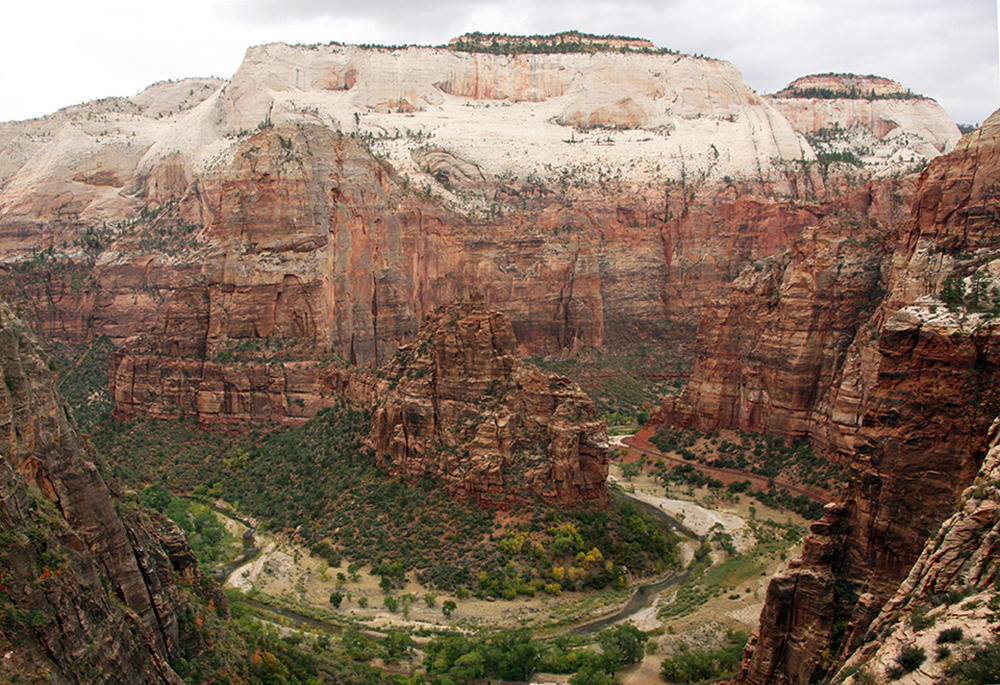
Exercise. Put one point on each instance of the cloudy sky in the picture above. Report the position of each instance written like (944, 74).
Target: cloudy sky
(62, 52)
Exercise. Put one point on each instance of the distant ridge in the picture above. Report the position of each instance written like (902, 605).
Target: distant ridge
(564, 42)
(833, 86)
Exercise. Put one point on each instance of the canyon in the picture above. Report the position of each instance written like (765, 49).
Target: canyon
(397, 226)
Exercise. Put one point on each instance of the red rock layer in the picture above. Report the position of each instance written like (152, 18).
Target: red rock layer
(459, 405)
(923, 435)
(771, 354)
(92, 594)
(308, 237)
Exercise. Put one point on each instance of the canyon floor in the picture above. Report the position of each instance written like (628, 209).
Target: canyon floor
(726, 595)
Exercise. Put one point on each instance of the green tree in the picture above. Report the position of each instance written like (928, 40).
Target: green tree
(335, 599)
(518, 655)
(397, 646)
(471, 666)
(156, 497)
(623, 645)
(448, 607)
(630, 470)
(592, 676)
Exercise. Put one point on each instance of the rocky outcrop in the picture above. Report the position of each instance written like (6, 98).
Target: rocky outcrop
(256, 384)
(923, 436)
(771, 355)
(803, 607)
(459, 405)
(866, 120)
(949, 588)
(90, 583)
(960, 562)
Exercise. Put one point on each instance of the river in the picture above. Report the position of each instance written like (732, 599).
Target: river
(644, 596)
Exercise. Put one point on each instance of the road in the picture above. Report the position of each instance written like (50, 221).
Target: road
(629, 442)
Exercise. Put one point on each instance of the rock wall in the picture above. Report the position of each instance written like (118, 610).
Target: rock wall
(90, 583)
(951, 586)
(458, 404)
(880, 105)
(563, 187)
(923, 435)
(776, 353)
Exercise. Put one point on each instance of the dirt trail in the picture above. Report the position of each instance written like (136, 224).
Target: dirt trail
(729, 475)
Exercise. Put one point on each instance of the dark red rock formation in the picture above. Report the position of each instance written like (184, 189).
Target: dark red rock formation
(459, 405)
(771, 355)
(89, 583)
(932, 396)
(321, 242)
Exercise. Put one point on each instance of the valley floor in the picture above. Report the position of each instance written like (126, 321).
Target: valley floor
(723, 594)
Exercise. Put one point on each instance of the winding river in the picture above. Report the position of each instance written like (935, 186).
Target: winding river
(644, 596)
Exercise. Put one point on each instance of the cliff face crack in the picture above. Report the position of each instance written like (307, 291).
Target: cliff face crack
(374, 314)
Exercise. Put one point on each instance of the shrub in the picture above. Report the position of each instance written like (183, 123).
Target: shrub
(920, 621)
(980, 667)
(692, 665)
(949, 635)
(907, 661)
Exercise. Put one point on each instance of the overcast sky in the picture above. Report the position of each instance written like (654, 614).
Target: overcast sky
(61, 52)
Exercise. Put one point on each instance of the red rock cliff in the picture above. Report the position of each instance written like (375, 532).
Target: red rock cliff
(90, 584)
(923, 436)
(458, 404)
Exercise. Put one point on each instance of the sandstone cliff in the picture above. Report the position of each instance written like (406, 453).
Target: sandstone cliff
(90, 583)
(458, 404)
(867, 121)
(770, 355)
(923, 384)
(560, 186)
(951, 586)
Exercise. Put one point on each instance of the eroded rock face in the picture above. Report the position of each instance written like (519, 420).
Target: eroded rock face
(93, 592)
(962, 559)
(766, 354)
(777, 353)
(831, 104)
(258, 205)
(459, 405)
(930, 400)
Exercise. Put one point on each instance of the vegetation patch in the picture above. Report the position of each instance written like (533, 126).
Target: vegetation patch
(762, 455)
(318, 484)
(693, 665)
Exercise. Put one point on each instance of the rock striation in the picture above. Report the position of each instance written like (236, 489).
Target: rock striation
(91, 584)
(923, 384)
(866, 120)
(367, 186)
(951, 585)
(770, 355)
(458, 404)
